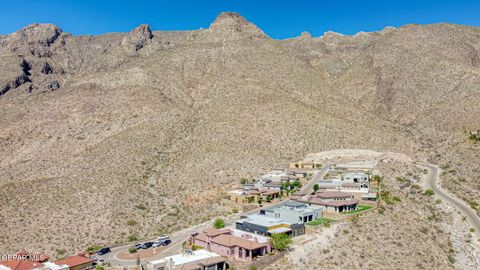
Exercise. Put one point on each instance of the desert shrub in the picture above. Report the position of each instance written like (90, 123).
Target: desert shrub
(415, 186)
(260, 200)
(473, 205)
(132, 222)
(451, 259)
(219, 223)
(93, 249)
(234, 210)
(141, 207)
(429, 192)
(132, 250)
(377, 178)
(195, 247)
(281, 241)
(132, 237)
(400, 179)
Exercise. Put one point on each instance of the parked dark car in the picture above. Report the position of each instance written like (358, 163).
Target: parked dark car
(137, 246)
(166, 242)
(147, 245)
(103, 251)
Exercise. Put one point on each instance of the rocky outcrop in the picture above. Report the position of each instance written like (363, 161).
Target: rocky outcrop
(138, 38)
(46, 68)
(39, 34)
(34, 39)
(17, 80)
(305, 35)
(52, 86)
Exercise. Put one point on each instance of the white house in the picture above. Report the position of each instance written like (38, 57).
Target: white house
(193, 260)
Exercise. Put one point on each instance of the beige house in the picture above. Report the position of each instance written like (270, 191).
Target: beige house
(302, 165)
(241, 196)
(252, 195)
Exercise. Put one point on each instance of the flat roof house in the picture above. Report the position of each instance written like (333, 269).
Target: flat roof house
(298, 173)
(264, 225)
(195, 260)
(234, 244)
(362, 179)
(302, 165)
(293, 212)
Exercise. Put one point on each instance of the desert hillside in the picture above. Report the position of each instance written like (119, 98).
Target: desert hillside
(152, 126)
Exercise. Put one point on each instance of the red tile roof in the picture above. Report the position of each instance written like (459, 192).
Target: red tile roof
(214, 232)
(73, 261)
(225, 238)
(231, 241)
(331, 195)
(333, 203)
(21, 264)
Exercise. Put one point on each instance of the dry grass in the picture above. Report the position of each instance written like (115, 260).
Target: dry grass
(405, 234)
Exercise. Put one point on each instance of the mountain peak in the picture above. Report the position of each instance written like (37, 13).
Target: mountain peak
(234, 22)
(229, 19)
(305, 35)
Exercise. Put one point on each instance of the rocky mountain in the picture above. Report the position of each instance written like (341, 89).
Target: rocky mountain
(152, 126)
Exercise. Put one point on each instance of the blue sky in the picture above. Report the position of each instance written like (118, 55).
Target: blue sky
(279, 19)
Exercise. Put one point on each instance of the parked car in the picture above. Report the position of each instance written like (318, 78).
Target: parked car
(147, 245)
(163, 237)
(100, 261)
(138, 246)
(103, 251)
(166, 242)
(157, 244)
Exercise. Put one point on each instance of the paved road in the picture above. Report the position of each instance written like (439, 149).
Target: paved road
(177, 239)
(308, 188)
(433, 176)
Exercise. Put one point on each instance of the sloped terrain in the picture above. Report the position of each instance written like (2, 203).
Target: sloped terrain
(152, 126)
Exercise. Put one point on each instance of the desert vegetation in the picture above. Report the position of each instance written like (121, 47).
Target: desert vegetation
(154, 126)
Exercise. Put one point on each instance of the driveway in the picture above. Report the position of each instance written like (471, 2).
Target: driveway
(308, 187)
(432, 182)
